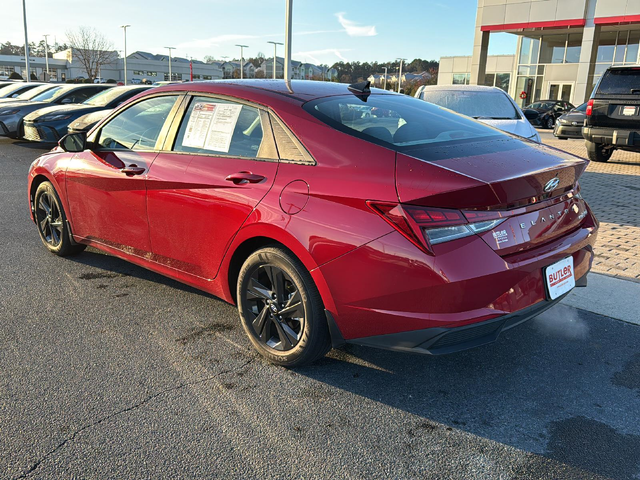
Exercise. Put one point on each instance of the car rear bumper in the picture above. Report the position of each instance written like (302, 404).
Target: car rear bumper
(569, 131)
(390, 287)
(612, 136)
(440, 341)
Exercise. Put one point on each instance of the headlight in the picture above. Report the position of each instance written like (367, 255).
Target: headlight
(562, 121)
(50, 118)
(9, 112)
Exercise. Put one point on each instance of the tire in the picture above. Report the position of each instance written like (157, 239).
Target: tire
(51, 222)
(550, 123)
(597, 153)
(281, 309)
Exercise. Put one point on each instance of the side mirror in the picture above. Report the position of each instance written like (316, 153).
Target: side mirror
(73, 142)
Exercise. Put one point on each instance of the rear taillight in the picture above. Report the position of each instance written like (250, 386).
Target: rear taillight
(589, 107)
(425, 226)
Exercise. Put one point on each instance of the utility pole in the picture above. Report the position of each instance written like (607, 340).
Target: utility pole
(400, 74)
(170, 74)
(124, 29)
(26, 40)
(46, 57)
(385, 77)
(287, 40)
(242, 47)
(275, 57)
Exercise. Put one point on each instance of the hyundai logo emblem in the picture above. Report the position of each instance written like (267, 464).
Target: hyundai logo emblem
(552, 184)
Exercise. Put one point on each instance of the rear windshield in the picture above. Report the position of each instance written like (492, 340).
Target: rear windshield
(397, 121)
(9, 89)
(620, 82)
(477, 104)
(34, 92)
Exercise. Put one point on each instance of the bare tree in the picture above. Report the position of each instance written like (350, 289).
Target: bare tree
(92, 49)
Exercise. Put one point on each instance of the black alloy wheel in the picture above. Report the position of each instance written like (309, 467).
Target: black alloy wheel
(550, 122)
(281, 309)
(52, 222)
(277, 308)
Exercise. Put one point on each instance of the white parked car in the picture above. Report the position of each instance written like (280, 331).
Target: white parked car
(490, 105)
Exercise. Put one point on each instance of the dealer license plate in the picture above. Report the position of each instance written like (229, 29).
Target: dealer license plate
(559, 278)
(629, 111)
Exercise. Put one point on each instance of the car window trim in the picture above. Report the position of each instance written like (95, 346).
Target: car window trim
(267, 131)
(95, 135)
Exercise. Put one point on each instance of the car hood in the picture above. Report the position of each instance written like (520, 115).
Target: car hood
(574, 117)
(87, 121)
(75, 109)
(519, 127)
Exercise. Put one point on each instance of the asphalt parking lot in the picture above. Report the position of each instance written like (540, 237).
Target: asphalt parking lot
(110, 371)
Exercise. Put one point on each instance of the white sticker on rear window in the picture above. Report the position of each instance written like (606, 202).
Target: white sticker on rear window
(211, 126)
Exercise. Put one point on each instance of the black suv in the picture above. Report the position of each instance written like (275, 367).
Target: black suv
(613, 114)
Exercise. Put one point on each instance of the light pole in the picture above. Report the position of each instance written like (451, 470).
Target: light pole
(170, 74)
(287, 40)
(275, 57)
(400, 73)
(242, 47)
(46, 57)
(124, 29)
(26, 40)
(385, 77)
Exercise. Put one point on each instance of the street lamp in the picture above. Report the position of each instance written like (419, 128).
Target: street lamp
(170, 74)
(400, 73)
(287, 40)
(46, 57)
(275, 57)
(242, 47)
(385, 77)
(124, 29)
(26, 40)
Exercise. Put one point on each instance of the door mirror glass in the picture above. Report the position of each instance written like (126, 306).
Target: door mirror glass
(74, 142)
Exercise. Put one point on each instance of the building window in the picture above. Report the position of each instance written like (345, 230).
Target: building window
(196, 76)
(6, 71)
(176, 76)
(152, 74)
(461, 78)
(138, 72)
(500, 80)
(207, 77)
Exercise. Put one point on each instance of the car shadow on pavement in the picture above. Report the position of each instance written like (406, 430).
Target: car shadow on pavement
(111, 267)
(547, 387)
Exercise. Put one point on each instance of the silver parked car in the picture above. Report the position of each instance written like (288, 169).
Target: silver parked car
(490, 105)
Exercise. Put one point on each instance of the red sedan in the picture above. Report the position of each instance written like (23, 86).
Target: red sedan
(326, 213)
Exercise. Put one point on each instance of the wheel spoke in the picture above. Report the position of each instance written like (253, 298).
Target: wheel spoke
(294, 304)
(44, 205)
(261, 323)
(276, 277)
(288, 337)
(257, 290)
(55, 235)
(43, 224)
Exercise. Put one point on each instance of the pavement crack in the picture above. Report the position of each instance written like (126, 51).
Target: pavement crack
(130, 408)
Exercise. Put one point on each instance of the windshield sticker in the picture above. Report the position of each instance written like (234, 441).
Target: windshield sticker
(211, 126)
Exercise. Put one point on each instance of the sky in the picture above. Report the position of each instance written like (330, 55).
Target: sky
(325, 31)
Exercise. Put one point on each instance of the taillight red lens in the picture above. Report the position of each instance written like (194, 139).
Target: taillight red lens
(589, 107)
(410, 220)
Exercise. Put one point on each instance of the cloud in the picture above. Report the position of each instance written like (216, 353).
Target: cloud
(354, 29)
(312, 55)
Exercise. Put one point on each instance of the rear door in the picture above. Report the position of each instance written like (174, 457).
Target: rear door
(617, 100)
(106, 185)
(204, 186)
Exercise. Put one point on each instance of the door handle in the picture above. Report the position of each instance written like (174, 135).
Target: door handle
(241, 178)
(133, 169)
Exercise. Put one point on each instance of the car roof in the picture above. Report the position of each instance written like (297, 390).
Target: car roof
(296, 90)
(470, 88)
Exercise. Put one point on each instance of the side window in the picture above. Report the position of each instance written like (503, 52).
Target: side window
(137, 127)
(80, 95)
(215, 126)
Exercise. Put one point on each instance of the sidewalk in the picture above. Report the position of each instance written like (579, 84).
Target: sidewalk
(612, 190)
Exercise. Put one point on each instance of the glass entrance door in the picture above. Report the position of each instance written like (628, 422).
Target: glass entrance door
(560, 91)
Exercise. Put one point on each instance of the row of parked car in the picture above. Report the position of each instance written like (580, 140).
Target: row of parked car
(45, 112)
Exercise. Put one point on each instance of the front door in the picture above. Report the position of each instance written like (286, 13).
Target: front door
(221, 165)
(106, 186)
(560, 91)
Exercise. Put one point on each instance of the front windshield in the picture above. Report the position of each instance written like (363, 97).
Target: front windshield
(476, 104)
(542, 105)
(50, 95)
(34, 92)
(105, 97)
(397, 121)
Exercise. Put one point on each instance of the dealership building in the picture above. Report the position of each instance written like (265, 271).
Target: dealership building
(563, 47)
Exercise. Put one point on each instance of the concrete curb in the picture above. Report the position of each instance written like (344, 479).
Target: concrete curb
(609, 296)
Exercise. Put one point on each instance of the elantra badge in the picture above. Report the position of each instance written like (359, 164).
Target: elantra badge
(552, 184)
